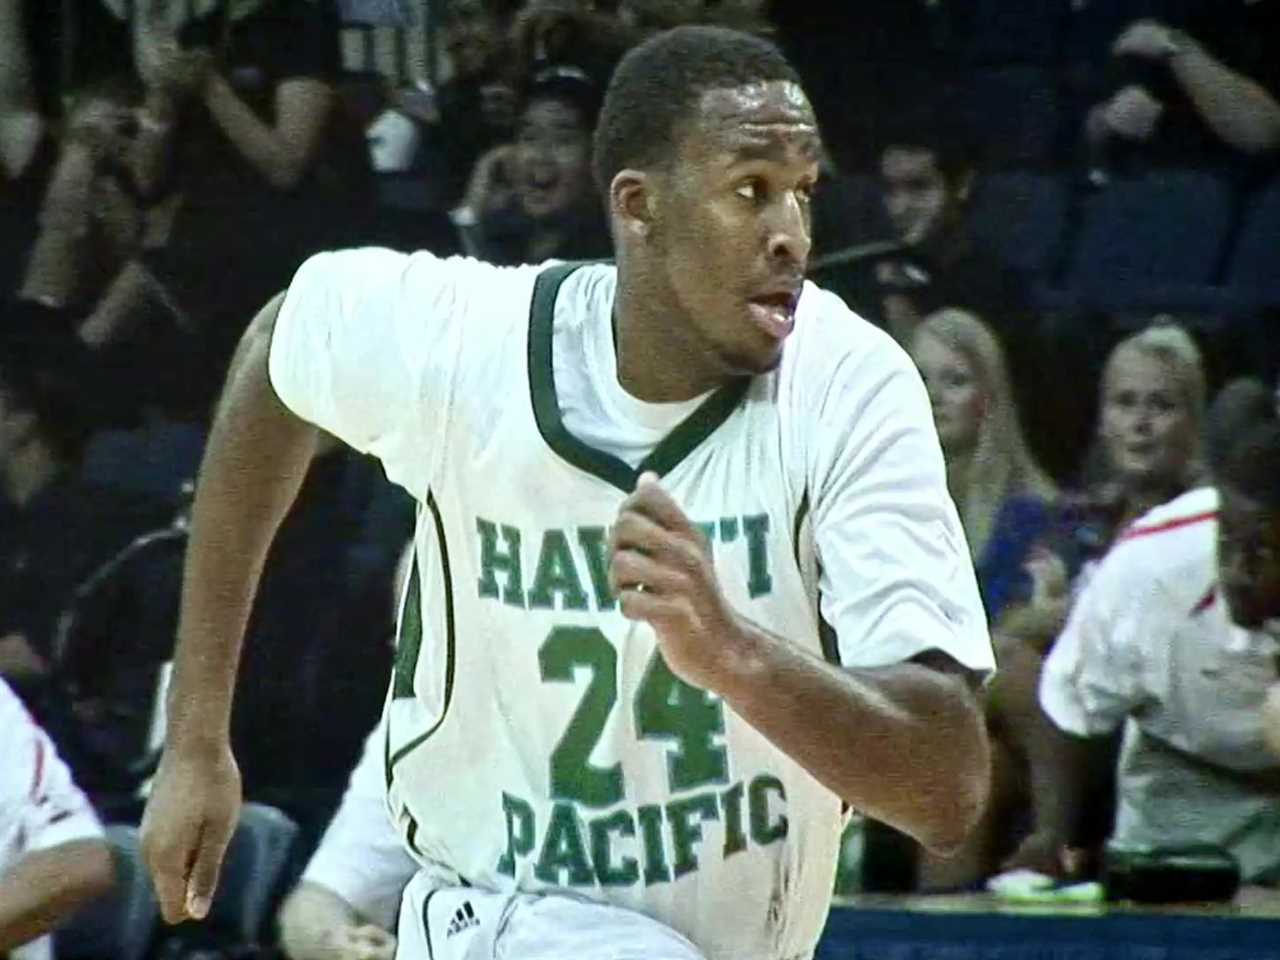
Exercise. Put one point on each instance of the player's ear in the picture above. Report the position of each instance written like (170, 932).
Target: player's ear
(631, 202)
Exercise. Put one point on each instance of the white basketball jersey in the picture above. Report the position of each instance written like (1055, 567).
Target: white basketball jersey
(536, 739)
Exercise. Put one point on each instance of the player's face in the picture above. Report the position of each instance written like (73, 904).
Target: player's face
(1147, 428)
(1248, 558)
(553, 159)
(732, 221)
(916, 195)
(955, 394)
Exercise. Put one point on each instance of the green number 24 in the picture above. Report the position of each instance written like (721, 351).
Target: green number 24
(666, 708)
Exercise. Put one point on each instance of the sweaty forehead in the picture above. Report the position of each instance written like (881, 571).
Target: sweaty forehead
(774, 114)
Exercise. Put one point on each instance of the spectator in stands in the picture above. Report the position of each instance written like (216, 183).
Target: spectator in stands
(106, 185)
(49, 54)
(535, 199)
(346, 905)
(928, 174)
(265, 171)
(53, 527)
(1002, 495)
(1175, 640)
(53, 858)
(1148, 450)
(549, 32)
(22, 123)
(1207, 92)
(477, 103)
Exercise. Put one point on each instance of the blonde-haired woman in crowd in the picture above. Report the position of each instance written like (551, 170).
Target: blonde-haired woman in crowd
(1001, 493)
(1148, 449)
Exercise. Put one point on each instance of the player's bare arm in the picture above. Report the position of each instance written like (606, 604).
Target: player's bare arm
(905, 744)
(47, 886)
(257, 456)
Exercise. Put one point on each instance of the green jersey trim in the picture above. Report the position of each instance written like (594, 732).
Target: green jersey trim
(673, 448)
(410, 642)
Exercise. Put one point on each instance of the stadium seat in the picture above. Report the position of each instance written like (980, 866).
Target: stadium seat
(1021, 216)
(999, 32)
(1014, 113)
(157, 459)
(1157, 237)
(122, 924)
(252, 871)
(1254, 272)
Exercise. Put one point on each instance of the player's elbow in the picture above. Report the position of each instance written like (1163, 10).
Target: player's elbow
(962, 790)
(956, 818)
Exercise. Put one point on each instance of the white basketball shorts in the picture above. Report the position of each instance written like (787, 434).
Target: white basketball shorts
(464, 923)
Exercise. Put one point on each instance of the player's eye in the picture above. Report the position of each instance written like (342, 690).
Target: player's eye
(749, 189)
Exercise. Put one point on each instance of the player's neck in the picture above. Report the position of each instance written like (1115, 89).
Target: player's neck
(658, 360)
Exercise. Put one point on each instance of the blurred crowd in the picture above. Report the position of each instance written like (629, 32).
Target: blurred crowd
(1066, 211)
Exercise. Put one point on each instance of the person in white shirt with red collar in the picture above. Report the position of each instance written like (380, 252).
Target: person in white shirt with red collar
(53, 857)
(1177, 639)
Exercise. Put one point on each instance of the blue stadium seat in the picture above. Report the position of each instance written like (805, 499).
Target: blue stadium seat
(1014, 113)
(156, 459)
(252, 872)
(1154, 237)
(1254, 273)
(997, 31)
(122, 924)
(1022, 217)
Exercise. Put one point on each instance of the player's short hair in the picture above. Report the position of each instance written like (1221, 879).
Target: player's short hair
(935, 128)
(1252, 464)
(567, 84)
(1241, 404)
(658, 84)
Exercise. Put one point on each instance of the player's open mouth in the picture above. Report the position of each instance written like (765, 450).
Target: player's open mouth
(775, 313)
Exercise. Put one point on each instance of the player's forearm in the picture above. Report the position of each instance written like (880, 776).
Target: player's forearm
(1063, 768)
(257, 456)
(1238, 110)
(905, 744)
(47, 886)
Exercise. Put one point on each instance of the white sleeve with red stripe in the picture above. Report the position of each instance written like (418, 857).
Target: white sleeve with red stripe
(40, 805)
(1096, 673)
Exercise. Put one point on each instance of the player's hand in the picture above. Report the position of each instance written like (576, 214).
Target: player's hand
(660, 569)
(189, 820)
(1149, 39)
(364, 943)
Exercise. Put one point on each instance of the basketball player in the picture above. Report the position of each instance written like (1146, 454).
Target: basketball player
(616, 726)
(53, 856)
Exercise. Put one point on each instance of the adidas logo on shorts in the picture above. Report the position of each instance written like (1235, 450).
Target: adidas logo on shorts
(464, 918)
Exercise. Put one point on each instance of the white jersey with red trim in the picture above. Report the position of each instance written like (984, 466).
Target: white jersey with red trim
(1150, 645)
(40, 805)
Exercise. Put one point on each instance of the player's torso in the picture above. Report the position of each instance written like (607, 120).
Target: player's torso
(539, 740)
